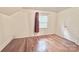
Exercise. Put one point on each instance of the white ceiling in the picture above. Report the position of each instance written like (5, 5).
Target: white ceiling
(55, 9)
(11, 10)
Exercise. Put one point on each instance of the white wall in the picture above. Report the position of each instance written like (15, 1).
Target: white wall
(20, 24)
(70, 19)
(60, 25)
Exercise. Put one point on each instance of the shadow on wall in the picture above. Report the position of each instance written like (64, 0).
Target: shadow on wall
(70, 35)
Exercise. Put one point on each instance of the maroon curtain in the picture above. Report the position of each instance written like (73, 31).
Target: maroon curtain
(36, 27)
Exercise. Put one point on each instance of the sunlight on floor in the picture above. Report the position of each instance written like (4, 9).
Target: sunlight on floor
(42, 46)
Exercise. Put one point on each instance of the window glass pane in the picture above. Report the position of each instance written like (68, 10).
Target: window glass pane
(43, 20)
(43, 25)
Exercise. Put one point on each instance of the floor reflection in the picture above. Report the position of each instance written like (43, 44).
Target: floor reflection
(41, 46)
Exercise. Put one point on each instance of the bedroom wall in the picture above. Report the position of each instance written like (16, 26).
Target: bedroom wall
(1, 32)
(60, 25)
(68, 24)
(20, 24)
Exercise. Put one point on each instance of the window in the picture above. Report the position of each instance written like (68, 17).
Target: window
(43, 20)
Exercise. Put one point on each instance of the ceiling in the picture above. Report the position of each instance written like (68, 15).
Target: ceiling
(11, 10)
(55, 9)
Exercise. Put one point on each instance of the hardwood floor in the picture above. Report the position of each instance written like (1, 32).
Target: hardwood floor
(44, 43)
